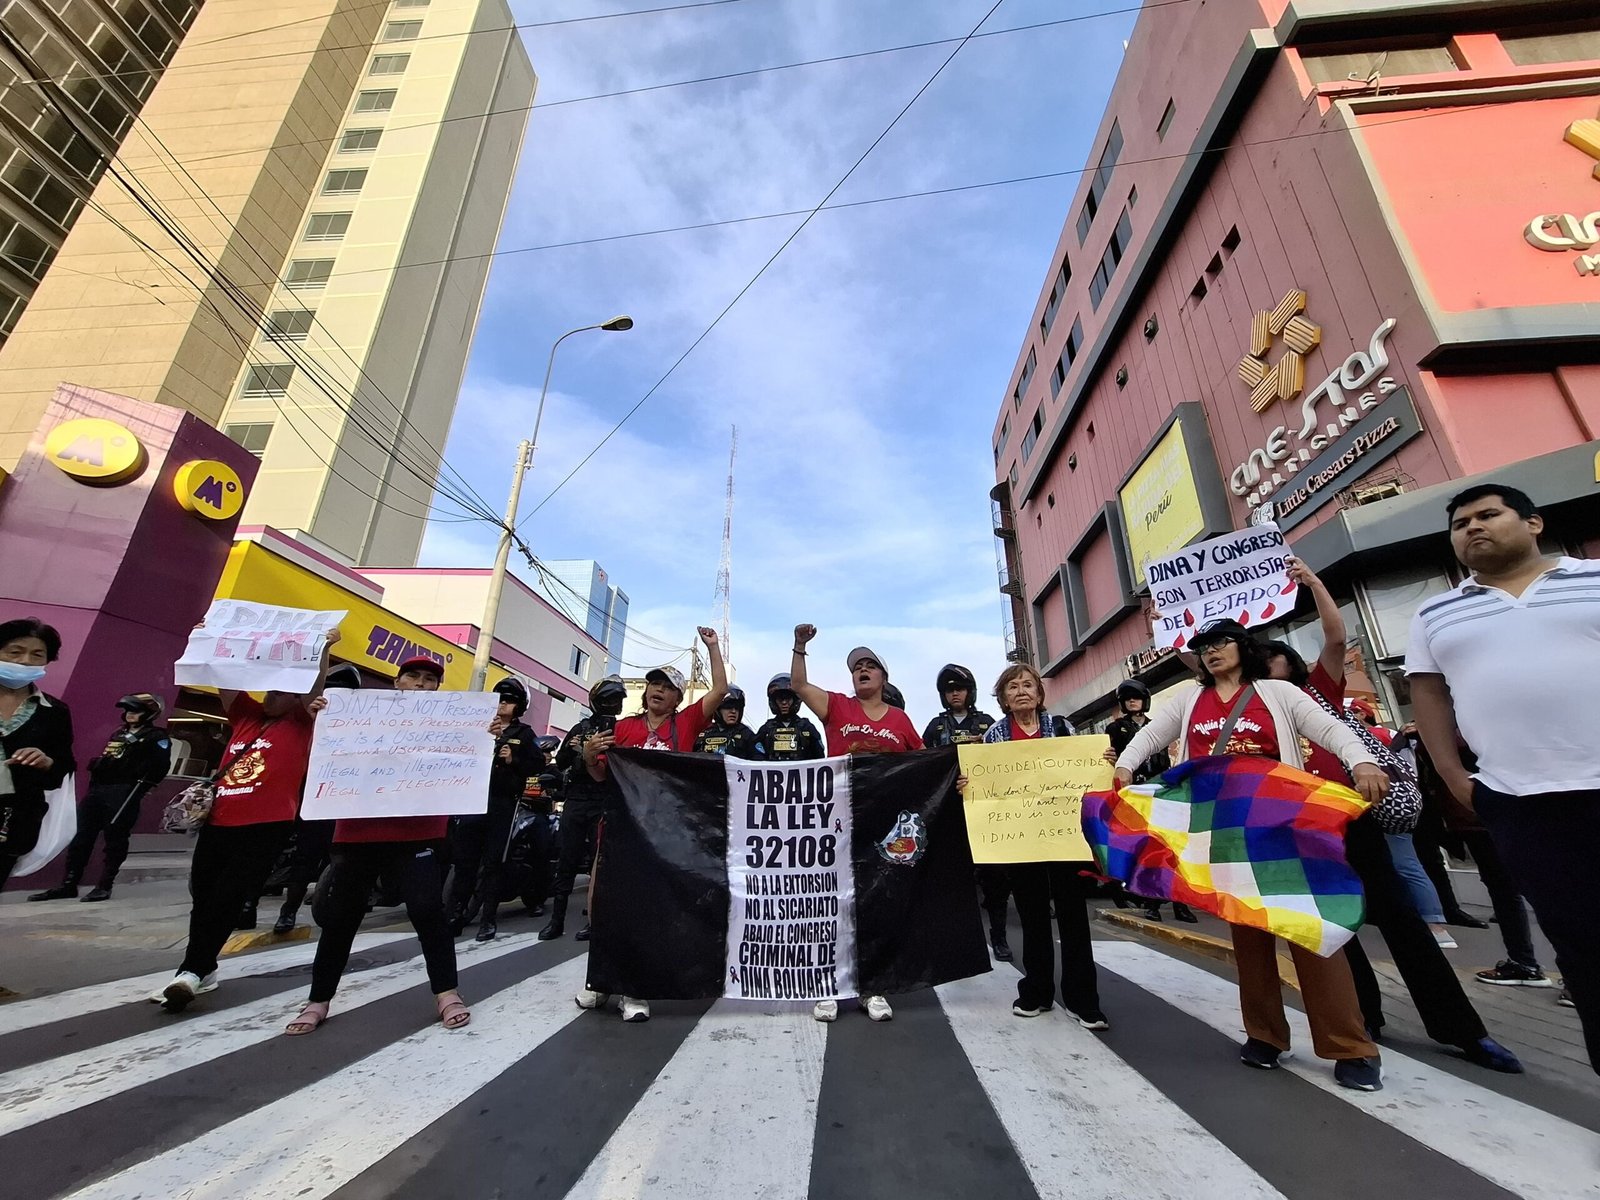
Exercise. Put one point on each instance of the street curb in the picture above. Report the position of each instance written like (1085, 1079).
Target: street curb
(1199, 943)
(256, 938)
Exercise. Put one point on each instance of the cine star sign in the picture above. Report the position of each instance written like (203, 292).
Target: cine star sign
(1160, 504)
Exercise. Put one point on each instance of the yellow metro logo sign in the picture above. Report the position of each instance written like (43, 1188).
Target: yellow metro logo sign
(209, 489)
(95, 451)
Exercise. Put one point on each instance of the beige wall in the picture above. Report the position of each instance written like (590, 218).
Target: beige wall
(250, 82)
(394, 324)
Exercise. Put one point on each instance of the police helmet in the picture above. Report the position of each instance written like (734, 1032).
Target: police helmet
(734, 699)
(345, 675)
(147, 705)
(954, 675)
(892, 696)
(779, 686)
(607, 697)
(512, 690)
(1132, 689)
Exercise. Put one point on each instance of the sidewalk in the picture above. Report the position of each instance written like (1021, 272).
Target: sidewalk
(1544, 1035)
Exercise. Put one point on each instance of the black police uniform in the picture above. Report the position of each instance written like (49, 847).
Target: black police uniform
(136, 758)
(583, 805)
(788, 739)
(479, 844)
(1121, 732)
(738, 739)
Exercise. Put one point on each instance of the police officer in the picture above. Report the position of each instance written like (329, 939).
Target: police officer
(1133, 702)
(482, 843)
(959, 723)
(727, 733)
(137, 757)
(788, 736)
(585, 799)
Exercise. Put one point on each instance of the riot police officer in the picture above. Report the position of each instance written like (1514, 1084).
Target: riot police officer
(482, 843)
(727, 733)
(957, 724)
(136, 758)
(788, 736)
(585, 800)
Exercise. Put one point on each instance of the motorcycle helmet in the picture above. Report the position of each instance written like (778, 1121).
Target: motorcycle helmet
(954, 675)
(734, 699)
(512, 690)
(1132, 689)
(142, 702)
(607, 697)
(547, 745)
(345, 675)
(781, 686)
(892, 696)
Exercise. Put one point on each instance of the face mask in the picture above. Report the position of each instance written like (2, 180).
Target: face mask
(17, 675)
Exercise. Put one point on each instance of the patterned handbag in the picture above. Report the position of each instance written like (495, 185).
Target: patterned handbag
(1401, 808)
(191, 808)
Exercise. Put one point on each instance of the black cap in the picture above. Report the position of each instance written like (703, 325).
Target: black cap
(1218, 631)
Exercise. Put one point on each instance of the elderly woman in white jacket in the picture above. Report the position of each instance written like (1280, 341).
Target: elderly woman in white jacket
(1238, 706)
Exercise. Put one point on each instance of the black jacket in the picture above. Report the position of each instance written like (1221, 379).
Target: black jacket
(736, 740)
(788, 739)
(507, 781)
(945, 730)
(577, 785)
(1121, 732)
(136, 757)
(48, 730)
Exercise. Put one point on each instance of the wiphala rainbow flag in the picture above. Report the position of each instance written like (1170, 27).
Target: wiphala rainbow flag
(1245, 839)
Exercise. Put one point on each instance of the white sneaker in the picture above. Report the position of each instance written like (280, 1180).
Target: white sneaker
(825, 1010)
(587, 997)
(1018, 1010)
(634, 1010)
(1445, 938)
(208, 984)
(878, 1009)
(185, 986)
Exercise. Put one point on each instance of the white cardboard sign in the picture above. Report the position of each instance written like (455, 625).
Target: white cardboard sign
(400, 754)
(1241, 575)
(243, 646)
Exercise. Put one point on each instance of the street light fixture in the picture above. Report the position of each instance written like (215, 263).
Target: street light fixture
(525, 450)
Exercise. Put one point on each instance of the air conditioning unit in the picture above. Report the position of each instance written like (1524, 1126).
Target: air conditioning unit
(1373, 492)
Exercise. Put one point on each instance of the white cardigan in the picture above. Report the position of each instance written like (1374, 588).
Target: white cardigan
(1294, 713)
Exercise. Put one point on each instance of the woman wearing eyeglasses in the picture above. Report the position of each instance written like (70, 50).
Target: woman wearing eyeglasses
(1240, 709)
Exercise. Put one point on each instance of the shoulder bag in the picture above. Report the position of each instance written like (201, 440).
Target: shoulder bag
(191, 808)
(1401, 807)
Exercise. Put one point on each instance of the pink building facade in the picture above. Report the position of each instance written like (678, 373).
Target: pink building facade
(1329, 262)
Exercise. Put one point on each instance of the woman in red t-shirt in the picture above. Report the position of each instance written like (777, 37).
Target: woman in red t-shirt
(1269, 718)
(864, 723)
(258, 795)
(659, 725)
(404, 851)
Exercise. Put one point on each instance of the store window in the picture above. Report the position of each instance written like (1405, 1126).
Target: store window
(1391, 600)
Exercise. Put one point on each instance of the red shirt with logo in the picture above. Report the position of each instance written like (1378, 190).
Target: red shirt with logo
(851, 731)
(1019, 734)
(1254, 733)
(677, 732)
(268, 757)
(1324, 763)
(391, 829)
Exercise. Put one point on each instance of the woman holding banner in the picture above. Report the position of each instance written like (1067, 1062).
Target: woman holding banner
(1239, 709)
(865, 723)
(659, 725)
(1038, 886)
(403, 850)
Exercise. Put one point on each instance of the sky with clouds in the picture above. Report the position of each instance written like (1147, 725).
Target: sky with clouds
(863, 370)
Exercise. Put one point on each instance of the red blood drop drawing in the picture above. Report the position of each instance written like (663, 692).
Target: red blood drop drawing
(1268, 611)
(1188, 618)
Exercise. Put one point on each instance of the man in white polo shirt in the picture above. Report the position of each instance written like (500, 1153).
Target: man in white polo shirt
(1511, 658)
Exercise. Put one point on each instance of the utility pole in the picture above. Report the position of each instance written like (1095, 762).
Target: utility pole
(724, 589)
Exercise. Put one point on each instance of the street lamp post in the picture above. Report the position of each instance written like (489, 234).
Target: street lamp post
(525, 451)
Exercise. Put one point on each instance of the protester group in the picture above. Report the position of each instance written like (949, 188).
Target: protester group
(1501, 761)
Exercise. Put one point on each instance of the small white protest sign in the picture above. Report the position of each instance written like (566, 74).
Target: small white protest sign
(1241, 576)
(400, 754)
(243, 646)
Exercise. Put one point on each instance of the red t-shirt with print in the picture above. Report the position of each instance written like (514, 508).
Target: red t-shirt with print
(268, 771)
(851, 731)
(1254, 732)
(677, 732)
(1019, 734)
(391, 829)
(1324, 764)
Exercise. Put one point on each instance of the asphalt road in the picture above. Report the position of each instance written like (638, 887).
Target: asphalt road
(103, 1095)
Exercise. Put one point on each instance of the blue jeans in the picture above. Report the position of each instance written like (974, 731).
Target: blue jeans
(1423, 893)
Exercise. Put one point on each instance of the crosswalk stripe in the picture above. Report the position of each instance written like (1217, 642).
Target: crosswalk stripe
(741, 1091)
(80, 1002)
(1077, 1144)
(310, 1143)
(44, 1090)
(1521, 1148)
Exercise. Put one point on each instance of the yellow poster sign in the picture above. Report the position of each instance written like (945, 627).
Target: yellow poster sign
(1160, 503)
(1024, 800)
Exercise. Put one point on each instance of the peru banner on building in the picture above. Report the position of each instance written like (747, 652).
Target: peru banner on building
(1241, 576)
(804, 881)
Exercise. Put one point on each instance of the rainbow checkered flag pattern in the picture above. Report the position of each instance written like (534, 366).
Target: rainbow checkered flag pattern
(1245, 839)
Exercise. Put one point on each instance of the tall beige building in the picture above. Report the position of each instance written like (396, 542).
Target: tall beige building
(340, 166)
